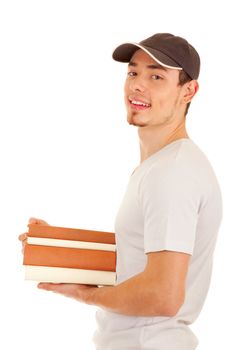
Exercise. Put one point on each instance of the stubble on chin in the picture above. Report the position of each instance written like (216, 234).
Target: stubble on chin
(131, 120)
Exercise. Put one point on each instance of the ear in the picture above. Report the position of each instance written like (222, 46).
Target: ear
(191, 89)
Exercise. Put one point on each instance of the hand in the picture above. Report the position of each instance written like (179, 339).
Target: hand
(23, 236)
(80, 292)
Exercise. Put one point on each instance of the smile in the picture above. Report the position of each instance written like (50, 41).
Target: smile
(138, 104)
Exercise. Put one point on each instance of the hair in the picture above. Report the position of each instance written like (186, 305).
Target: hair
(184, 78)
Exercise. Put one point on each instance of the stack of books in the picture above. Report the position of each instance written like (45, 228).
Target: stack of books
(69, 255)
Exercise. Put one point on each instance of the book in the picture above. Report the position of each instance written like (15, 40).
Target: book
(67, 255)
(89, 259)
(47, 231)
(67, 275)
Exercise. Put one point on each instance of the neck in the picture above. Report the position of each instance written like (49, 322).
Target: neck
(153, 139)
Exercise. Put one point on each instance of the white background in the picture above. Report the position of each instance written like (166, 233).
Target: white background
(66, 151)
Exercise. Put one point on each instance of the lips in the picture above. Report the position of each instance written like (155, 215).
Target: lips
(137, 103)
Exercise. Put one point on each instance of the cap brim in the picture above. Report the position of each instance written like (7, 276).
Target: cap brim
(124, 53)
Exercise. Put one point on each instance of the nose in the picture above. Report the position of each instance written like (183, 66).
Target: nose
(137, 84)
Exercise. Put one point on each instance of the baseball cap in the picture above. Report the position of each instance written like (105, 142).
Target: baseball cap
(167, 49)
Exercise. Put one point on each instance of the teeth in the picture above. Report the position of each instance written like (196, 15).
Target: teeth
(140, 103)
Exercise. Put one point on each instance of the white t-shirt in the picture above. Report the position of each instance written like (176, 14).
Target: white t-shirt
(172, 202)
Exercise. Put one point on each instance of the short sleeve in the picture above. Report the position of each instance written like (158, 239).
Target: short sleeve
(169, 201)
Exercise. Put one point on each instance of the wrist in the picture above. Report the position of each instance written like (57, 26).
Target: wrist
(91, 296)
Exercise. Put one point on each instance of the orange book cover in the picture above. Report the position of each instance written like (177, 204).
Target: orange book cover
(39, 255)
(69, 255)
(55, 232)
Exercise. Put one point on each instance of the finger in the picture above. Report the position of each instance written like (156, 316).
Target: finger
(67, 289)
(36, 221)
(22, 237)
(43, 285)
(53, 287)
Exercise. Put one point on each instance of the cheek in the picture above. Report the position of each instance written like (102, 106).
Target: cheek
(125, 100)
(126, 88)
(126, 94)
(163, 99)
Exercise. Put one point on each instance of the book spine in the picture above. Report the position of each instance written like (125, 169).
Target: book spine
(46, 231)
(66, 275)
(69, 257)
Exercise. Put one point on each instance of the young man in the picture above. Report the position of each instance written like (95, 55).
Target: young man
(168, 221)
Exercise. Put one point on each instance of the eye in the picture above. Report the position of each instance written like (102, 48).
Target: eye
(131, 74)
(156, 77)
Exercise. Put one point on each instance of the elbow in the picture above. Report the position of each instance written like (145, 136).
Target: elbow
(171, 310)
(170, 305)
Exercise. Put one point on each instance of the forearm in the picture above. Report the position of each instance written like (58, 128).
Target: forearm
(136, 296)
(158, 291)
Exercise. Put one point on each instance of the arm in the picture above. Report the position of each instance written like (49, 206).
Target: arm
(158, 291)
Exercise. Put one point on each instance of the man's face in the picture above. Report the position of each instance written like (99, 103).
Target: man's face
(152, 94)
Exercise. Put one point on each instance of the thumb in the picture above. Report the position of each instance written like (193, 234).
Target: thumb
(36, 221)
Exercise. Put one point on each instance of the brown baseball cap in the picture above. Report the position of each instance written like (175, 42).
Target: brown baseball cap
(167, 49)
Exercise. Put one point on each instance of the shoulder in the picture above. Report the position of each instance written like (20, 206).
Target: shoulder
(182, 165)
(184, 157)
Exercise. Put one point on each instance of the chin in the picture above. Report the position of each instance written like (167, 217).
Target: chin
(137, 124)
(134, 120)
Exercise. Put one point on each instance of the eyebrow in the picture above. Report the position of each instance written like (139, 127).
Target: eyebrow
(150, 66)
